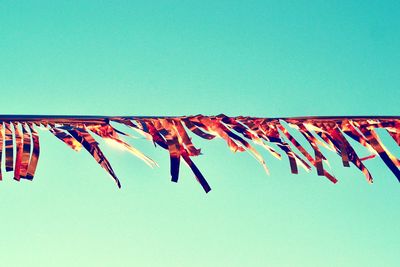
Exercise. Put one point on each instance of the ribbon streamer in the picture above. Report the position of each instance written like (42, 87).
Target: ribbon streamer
(19, 140)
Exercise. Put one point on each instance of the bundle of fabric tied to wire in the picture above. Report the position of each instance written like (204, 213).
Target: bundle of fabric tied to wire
(19, 139)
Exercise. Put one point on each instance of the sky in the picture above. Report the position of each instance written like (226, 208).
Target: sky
(258, 58)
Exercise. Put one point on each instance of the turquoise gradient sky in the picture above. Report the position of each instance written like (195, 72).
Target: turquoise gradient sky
(260, 58)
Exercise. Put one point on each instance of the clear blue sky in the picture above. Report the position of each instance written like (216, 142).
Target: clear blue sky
(263, 58)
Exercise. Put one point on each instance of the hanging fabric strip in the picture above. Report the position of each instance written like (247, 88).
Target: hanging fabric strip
(186, 140)
(109, 133)
(19, 149)
(200, 178)
(165, 128)
(35, 153)
(9, 146)
(340, 141)
(26, 152)
(385, 155)
(88, 142)
(319, 157)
